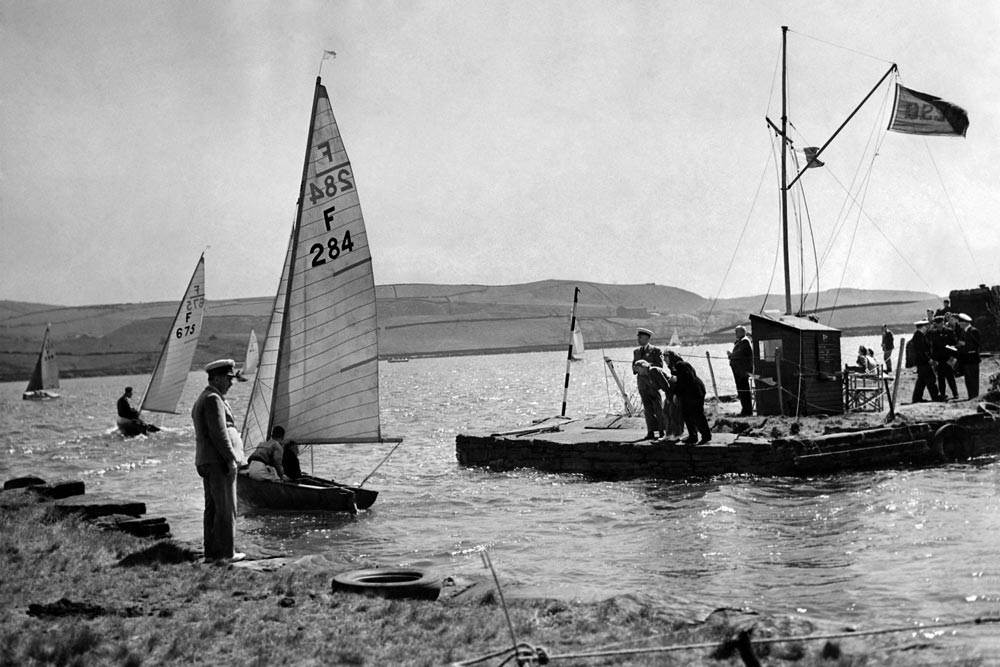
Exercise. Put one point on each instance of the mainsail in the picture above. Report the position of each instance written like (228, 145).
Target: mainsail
(318, 375)
(46, 373)
(172, 368)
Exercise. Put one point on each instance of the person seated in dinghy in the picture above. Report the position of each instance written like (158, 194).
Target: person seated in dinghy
(267, 461)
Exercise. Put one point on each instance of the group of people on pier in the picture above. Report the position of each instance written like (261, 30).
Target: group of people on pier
(944, 347)
(673, 396)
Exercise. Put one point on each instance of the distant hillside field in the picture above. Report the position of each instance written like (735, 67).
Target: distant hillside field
(424, 319)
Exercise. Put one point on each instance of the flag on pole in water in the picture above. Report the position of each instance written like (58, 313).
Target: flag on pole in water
(920, 113)
(329, 54)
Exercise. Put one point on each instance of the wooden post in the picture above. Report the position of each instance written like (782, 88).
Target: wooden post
(777, 368)
(899, 367)
(712, 373)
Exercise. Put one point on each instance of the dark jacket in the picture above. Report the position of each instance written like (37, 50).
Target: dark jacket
(969, 352)
(688, 386)
(741, 358)
(921, 349)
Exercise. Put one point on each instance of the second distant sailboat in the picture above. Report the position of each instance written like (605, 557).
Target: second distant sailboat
(171, 371)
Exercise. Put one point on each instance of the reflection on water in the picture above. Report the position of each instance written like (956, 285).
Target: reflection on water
(869, 549)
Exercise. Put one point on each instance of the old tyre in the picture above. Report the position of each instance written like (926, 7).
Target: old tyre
(390, 582)
(952, 443)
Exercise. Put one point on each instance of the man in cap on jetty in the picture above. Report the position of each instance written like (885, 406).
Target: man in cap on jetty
(923, 362)
(969, 346)
(741, 362)
(643, 357)
(218, 454)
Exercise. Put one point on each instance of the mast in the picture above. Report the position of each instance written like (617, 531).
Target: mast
(784, 162)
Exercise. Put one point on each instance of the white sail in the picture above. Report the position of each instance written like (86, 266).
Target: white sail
(253, 356)
(46, 372)
(323, 332)
(578, 348)
(675, 340)
(172, 368)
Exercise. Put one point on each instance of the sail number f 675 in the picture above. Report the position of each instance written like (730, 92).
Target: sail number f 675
(333, 248)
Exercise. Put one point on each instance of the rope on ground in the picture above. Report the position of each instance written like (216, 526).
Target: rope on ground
(527, 654)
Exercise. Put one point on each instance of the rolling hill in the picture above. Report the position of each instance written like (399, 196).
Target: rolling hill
(424, 319)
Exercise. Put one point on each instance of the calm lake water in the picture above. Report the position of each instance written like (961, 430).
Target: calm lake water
(870, 550)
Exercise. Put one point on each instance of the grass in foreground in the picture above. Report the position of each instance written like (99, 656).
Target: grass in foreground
(73, 594)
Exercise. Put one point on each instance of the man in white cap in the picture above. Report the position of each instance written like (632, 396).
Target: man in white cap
(923, 362)
(643, 357)
(969, 346)
(218, 453)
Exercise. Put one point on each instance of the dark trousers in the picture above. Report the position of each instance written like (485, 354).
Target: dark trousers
(652, 405)
(972, 379)
(693, 411)
(945, 373)
(743, 392)
(219, 521)
(887, 360)
(925, 379)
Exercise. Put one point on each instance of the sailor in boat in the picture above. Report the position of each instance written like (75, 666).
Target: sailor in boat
(741, 363)
(267, 461)
(969, 344)
(643, 357)
(127, 411)
(218, 454)
(290, 460)
(690, 393)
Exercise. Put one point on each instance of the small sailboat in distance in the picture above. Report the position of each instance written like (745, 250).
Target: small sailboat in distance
(576, 354)
(675, 340)
(174, 364)
(318, 373)
(252, 359)
(45, 377)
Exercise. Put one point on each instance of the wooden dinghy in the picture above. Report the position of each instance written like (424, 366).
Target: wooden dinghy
(307, 494)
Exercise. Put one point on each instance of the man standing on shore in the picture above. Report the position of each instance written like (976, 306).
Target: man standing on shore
(643, 357)
(218, 453)
(741, 361)
(888, 345)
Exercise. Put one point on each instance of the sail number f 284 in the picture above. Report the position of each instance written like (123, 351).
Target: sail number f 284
(333, 248)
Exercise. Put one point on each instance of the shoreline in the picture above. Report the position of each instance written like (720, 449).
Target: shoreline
(74, 594)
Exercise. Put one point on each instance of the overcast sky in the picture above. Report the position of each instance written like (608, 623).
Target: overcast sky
(493, 142)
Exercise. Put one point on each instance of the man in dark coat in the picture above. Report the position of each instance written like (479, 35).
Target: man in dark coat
(690, 393)
(923, 363)
(741, 361)
(944, 351)
(643, 357)
(969, 346)
(888, 345)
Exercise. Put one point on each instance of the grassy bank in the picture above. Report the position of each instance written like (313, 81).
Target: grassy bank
(73, 594)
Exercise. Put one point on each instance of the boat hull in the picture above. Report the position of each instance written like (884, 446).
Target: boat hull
(39, 395)
(309, 494)
(133, 427)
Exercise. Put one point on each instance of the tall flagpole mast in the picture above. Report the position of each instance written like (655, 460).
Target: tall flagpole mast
(784, 159)
(569, 353)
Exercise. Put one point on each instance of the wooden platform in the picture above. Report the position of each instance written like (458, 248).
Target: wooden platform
(613, 448)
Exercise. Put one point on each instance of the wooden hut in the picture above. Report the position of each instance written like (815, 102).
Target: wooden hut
(796, 366)
(982, 304)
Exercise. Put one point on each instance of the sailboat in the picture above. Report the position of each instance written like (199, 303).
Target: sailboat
(45, 377)
(174, 363)
(318, 372)
(252, 359)
(675, 340)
